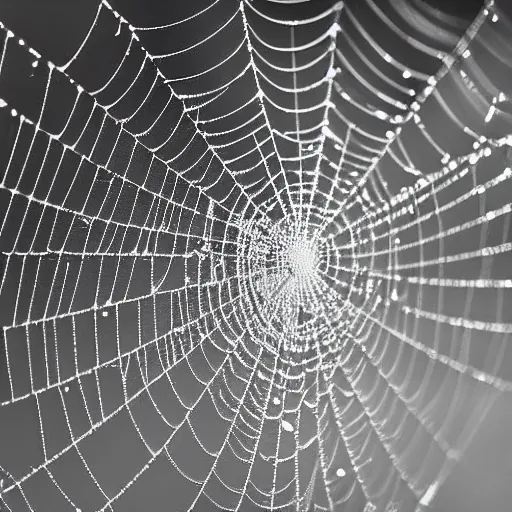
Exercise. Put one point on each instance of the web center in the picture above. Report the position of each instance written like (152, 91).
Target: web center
(302, 259)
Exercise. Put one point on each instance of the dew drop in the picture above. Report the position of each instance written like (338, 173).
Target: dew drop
(287, 426)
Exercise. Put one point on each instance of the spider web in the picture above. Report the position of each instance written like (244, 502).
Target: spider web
(254, 256)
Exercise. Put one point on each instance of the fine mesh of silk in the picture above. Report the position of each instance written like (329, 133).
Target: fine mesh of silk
(255, 254)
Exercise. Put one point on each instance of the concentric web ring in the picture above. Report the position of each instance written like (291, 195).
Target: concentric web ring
(255, 254)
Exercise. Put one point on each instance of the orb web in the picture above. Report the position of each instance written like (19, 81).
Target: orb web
(255, 254)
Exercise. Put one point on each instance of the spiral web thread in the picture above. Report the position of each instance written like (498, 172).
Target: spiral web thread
(303, 237)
